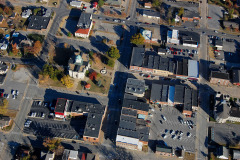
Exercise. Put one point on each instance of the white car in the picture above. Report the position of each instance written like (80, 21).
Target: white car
(13, 97)
(189, 134)
(13, 92)
(7, 95)
(17, 92)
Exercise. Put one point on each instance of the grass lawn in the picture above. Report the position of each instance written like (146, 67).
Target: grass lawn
(189, 156)
(232, 122)
(8, 112)
(8, 128)
(50, 82)
(94, 88)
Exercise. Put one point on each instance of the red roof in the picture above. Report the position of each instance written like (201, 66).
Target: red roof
(88, 86)
(82, 31)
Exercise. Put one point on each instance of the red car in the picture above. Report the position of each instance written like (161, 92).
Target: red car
(209, 17)
(1, 95)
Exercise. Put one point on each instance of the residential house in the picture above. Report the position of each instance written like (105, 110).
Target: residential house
(164, 150)
(94, 113)
(219, 75)
(38, 23)
(4, 44)
(231, 24)
(222, 152)
(147, 35)
(3, 68)
(190, 16)
(44, 1)
(78, 65)
(95, 4)
(21, 40)
(236, 154)
(135, 87)
(76, 4)
(148, 5)
(1, 19)
(133, 131)
(47, 155)
(235, 77)
(26, 13)
(13, 15)
(173, 36)
(84, 25)
(5, 121)
(218, 43)
(151, 14)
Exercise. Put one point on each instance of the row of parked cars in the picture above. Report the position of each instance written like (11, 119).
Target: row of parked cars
(14, 93)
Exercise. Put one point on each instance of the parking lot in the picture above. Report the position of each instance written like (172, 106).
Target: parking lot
(15, 81)
(225, 133)
(171, 131)
(215, 13)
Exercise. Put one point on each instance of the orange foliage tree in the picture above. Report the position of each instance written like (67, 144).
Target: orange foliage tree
(14, 49)
(37, 47)
(93, 75)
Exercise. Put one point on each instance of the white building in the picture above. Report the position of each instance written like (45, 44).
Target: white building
(173, 36)
(78, 65)
(76, 4)
(84, 25)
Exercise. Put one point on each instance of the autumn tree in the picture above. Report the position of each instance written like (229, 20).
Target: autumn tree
(37, 47)
(181, 11)
(93, 75)
(53, 145)
(156, 3)
(100, 3)
(7, 10)
(14, 49)
(66, 80)
(113, 52)
(110, 63)
(137, 39)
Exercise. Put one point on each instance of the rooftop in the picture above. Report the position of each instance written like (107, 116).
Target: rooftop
(60, 105)
(151, 13)
(163, 148)
(219, 75)
(190, 14)
(135, 86)
(236, 75)
(85, 20)
(38, 22)
(84, 107)
(93, 125)
(132, 104)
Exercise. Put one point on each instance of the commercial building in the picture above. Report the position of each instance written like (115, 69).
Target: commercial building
(95, 114)
(38, 23)
(190, 16)
(175, 95)
(236, 154)
(164, 150)
(151, 14)
(84, 25)
(218, 43)
(133, 131)
(148, 5)
(76, 155)
(135, 87)
(236, 77)
(219, 75)
(78, 64)
(189, 39)
(151, 63)
(26, 13)
(173, 36)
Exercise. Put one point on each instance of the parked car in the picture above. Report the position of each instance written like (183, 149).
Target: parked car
(164, 118)
(13, 92)
(189, 134)
(17, 92)
(148, 121)
(13, 97)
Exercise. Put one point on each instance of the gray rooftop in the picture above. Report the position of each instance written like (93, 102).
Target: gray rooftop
(152, 13)
(135, 86)
(190, 14)
(38, 22)
(84, 20)
(236, 75)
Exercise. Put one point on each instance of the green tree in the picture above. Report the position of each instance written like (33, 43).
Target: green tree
(100, 3)
(137, 39)
(90, 54)
(110, 62)
(36, 10)
(69, 34)
(52, 145)
(113, 52)
(181, 11)
(156, 3)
